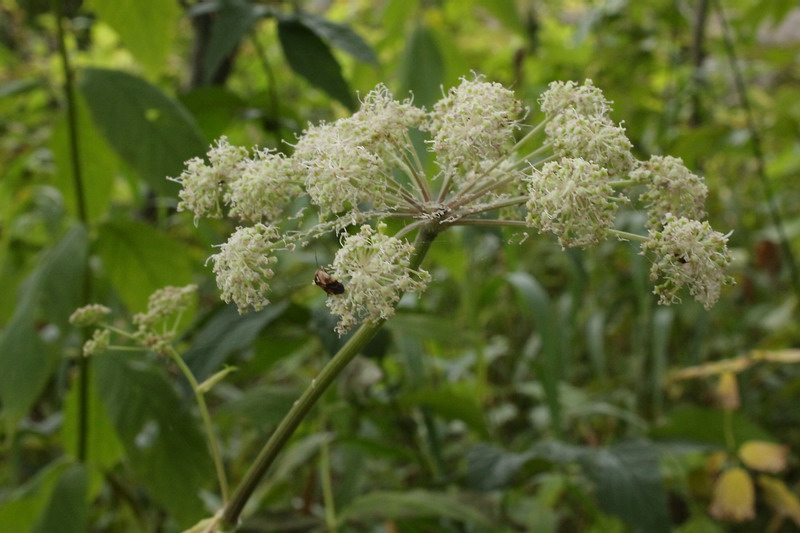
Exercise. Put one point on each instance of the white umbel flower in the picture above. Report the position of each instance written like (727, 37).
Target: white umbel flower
(572, 199)
(474, 123)
(242, 266)
(204, 185)
(671, 188)
(268, 182)
(691, 253)
(586, 99)
(374, 269)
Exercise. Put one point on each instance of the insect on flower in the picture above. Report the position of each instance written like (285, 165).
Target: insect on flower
(327, 283)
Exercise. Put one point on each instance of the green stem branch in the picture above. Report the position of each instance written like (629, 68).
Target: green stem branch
(317, 387)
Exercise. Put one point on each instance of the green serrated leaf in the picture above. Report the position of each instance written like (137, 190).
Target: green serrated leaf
(386, 505)
(98, 164)
(422, 70)
(310, 57)
(452, 403)
(160, 437)
(68, 508)
(140, 259)
(629, 485)
(146, 27)
(214, 108)
(153, 133)
(341, 36)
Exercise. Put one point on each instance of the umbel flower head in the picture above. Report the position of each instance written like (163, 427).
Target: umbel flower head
(567, 176)
(374, 268)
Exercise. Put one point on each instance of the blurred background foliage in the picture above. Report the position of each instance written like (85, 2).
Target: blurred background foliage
(528, 390)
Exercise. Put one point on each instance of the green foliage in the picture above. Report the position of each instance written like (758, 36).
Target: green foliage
(528, 389)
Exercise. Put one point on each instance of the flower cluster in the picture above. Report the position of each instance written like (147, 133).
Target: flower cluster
(374, 269)
(572, 199)
(688, 253)
(361, 170)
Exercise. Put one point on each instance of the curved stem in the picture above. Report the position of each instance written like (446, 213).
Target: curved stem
(209, 429)
(317, 387)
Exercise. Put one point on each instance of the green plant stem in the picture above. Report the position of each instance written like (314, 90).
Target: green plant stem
(727, 425)
(209, 429)
(317, 387)
(627, 235)
(327, 487)
(80, 198)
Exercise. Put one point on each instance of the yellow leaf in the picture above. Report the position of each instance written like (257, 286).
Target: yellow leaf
(764, 456)
(778, 496)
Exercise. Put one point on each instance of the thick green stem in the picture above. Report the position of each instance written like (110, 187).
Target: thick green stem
(209, 429)
(318, 386)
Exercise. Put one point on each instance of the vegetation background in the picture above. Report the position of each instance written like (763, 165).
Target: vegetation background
(530, 388)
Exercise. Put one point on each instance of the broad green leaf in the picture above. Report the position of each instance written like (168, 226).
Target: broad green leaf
(394, 17)
(146, 27)
(537, 304)
(214, 108)
(451, 403)
(226, 332)
(422, 70)
(152, 132)
(263, 406)
(140, 259)
(161, 438)
(68, 509)
(628, 484)
(506, 12)
(697, 424)
(103, 447)
(232, 22)
(490, 468)
(53, 290)
(310, 57)
(21, 508)
(385, 505)
(98, 163)
(340, 36)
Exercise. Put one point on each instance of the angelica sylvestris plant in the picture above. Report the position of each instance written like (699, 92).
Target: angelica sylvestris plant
(567, 175)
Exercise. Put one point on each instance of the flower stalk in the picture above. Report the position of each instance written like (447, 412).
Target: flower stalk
(317, 387)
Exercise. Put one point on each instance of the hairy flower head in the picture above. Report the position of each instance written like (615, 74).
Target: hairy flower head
(267, 183)
(688, 252)
(671, 188)
(203, 185)
(242, 266)
(572, 199)
(98, 343)
(586, 99)
(593, 138)
(475, 122)
(374, 269)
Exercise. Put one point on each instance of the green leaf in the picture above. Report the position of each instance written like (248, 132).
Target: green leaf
(68, 509)
(214, 108)
(262, 406)
(385, 505)
(310, 57)
(161, 439)
(340, 36)
(628, 482)
(97, 160)
(232, 22)
(22, 507)
(490, 468)
(152, 132)
(451, 403)
(537, 303)
(422, 70)
(146, 27)
(103, 446)
(226, 332)
(138, 259)
(699, 424)
(53, 290)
